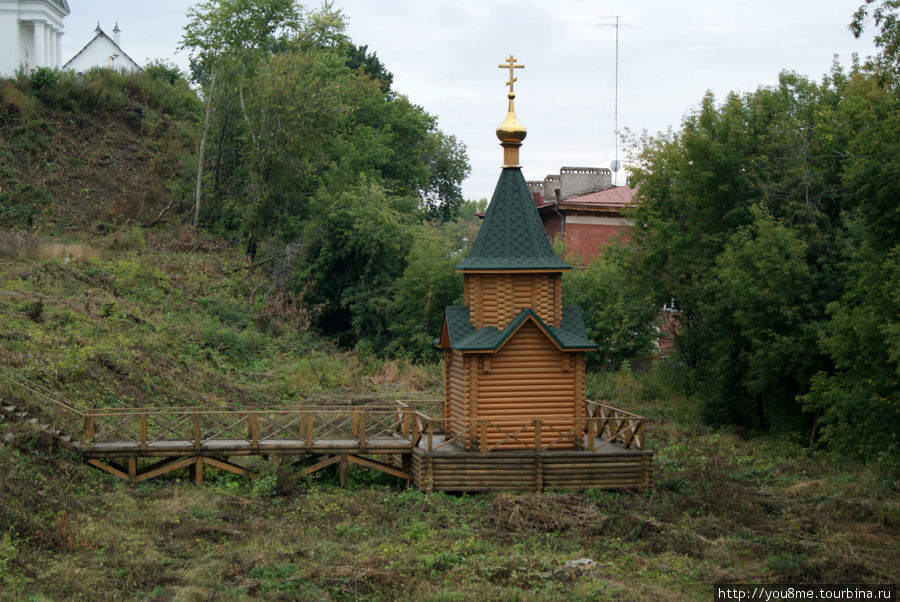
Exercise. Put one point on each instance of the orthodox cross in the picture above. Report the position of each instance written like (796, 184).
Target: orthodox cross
(511, 64)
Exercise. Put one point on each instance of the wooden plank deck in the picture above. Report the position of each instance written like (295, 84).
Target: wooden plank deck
(243, 447)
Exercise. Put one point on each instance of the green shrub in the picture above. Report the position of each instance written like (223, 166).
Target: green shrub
(44, 83)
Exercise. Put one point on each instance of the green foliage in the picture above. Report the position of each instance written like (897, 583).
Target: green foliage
(762, 324)
(220, 31)
(9, 576)
(886, 17)
(356, 247)
(44, 82)
(164, 71)
(772, 221)
(316, 152)
(618, 315)
(428, 285)
(299, 111)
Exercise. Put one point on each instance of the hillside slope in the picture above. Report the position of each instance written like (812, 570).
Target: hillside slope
(98, 150)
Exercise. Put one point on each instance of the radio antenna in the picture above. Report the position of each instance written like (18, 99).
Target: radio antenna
(615, 165)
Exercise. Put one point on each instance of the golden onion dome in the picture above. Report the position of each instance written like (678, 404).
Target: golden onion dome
(511, 130)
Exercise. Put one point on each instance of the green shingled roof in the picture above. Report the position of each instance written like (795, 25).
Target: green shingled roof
(570, 334)
(512, 236)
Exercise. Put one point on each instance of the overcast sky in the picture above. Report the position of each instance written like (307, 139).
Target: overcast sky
(444, 55)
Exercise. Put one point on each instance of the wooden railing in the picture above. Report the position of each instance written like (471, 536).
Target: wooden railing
(602, 424)
(306, 424)
(614, 425)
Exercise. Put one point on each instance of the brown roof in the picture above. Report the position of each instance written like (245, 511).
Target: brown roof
(613, 198)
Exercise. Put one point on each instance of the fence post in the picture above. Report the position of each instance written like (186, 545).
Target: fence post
(143, 431)
(482, 443)
(309, 431)
(253, 430)
(197, 433)
(430, 432)
(361, 430)
(537, 435)
(89, 429)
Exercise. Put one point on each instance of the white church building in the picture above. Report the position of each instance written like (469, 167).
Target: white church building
(102, 51)
(31, 34)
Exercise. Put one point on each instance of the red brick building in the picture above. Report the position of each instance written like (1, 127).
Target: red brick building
(581, 205)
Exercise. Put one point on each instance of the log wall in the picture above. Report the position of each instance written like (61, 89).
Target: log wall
(529, 378)
(520, 471)
(495, 299)
(456, 392)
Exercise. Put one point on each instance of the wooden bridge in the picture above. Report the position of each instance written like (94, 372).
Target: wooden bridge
(603, 449)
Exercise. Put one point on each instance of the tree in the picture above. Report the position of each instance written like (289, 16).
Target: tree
(428, 285)
(858, 397)
(355, 248)
(228, 33)
(886, 14)
(738, 221)
(618, 315)
(762, 327)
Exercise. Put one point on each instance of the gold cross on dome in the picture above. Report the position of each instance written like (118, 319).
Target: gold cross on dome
(511, 64)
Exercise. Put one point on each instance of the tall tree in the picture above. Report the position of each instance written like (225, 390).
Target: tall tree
(232, 36)
(739, 215)
(858, 398)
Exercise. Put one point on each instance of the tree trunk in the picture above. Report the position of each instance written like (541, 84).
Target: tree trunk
(207, 119)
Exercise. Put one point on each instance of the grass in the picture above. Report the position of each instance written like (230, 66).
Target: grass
(170, 318)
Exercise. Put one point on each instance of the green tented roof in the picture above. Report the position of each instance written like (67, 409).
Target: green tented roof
(512, 236)
(570, 334)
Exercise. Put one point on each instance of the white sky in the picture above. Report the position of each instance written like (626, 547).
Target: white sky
(444, 56)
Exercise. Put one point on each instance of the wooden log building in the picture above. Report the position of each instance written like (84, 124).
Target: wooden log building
(514, 372)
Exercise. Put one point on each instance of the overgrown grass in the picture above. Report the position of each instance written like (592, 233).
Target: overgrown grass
(169, 318)
(127, 321)
(108, 148)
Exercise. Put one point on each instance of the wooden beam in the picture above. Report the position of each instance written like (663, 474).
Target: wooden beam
(253, 430)
(111, 469)
(361, 431)
(89, 429)
(321, 464)
(228, 466)
(342, 474)
(143, 431)
(378, 466)
(169, 466)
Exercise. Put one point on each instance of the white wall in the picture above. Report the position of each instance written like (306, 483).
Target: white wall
(20, 21)
(9, 43)
(97, 54)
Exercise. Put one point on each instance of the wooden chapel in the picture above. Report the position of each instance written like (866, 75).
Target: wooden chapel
(513, 353)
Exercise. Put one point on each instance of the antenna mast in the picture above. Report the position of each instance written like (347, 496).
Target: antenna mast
(615, 164)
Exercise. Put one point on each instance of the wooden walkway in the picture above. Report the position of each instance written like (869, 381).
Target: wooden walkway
(603, 449)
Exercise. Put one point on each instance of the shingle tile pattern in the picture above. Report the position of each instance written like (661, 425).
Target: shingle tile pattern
(570, 334)
(512, 236)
